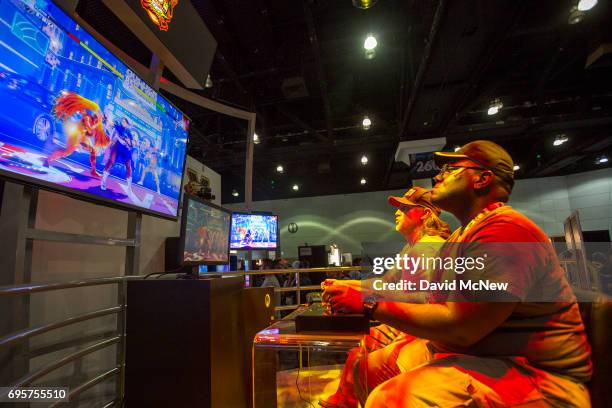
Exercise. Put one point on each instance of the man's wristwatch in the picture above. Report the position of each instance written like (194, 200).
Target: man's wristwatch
(369, 308)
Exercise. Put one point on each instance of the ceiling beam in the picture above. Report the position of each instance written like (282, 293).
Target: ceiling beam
(418, 81)
(293, 118)
(312, 35)
(374, 143)
(423, 66)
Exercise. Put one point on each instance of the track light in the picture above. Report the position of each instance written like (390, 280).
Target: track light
(364, 159)
(296, 187)
(516, 167)
(602, 159)
(363, 181)
(366, 123)
(494, 107)
(209, 82)
(280, 169)
(256, 138)
(559, 140)
(235, 193)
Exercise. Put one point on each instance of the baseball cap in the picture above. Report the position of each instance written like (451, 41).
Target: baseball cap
(416, 196)
(487, 154)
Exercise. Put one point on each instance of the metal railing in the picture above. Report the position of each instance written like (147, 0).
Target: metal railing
(298, 288)
(118, 337)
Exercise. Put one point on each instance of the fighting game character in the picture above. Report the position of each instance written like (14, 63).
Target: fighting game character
(150, 163)
(88, 132)
(121, 149)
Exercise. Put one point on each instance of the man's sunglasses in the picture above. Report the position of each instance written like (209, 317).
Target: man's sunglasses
(447, 169)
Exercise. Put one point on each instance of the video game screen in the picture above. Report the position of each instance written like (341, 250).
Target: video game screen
(254, 231)
(76, 119)
(205, 230)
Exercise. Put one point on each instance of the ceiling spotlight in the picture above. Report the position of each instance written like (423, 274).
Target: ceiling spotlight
(296, 187)
(256, 138)
(364, 4)
(370, 42)
(235, 193)
(586, 5)
(559, 140)
(602, 159)
(366, 123)
(209, 82)
(280, 169)
(494, 107)
(363, 181)
(516, 167)
(364, 159)
(457, 148)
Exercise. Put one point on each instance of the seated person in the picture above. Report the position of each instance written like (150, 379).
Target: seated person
(417, 219)
(519, 350)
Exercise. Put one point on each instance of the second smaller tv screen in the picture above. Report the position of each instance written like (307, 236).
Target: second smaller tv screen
(254, 231)
(206, 230)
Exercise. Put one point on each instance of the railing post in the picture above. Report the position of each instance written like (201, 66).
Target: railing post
(121, 319)
(17, 214)
(299, 291)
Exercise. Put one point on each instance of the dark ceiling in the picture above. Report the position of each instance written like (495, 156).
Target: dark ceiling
(300, 66)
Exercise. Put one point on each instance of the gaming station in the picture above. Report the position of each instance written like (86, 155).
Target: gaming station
(337, 204)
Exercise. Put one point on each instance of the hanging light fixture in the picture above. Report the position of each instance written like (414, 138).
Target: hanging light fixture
(256, 138)
(369, 46)
(209, 82)
(296, 187)
(235, 193)
(366, 123)
(495, 107)
(516, 167)
(370, 42)
(602, 159)
(364, 159)
(363, 181)
(559, 140)
(586, 5)
(280, 169)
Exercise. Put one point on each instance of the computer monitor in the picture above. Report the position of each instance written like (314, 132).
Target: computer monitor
(254, 231)
(205, 231)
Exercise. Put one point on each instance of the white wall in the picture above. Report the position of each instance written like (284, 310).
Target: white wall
(351, 219)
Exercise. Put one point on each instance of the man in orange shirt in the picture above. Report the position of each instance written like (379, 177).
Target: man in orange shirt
(524, 345)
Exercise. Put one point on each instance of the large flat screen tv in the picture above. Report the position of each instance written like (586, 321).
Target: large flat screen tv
(205, 231)
(74, 118)
(254, 231)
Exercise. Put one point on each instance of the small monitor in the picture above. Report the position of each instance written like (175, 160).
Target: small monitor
(205, 231)
(254, 231)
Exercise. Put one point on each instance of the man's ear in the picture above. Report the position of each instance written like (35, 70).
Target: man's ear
(426, 213)
(484, 180)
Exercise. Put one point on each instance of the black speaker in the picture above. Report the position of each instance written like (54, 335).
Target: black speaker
(172, 259)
